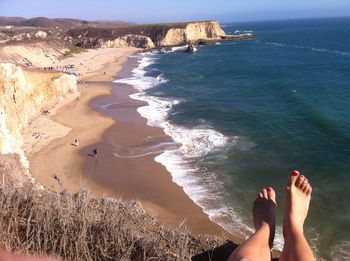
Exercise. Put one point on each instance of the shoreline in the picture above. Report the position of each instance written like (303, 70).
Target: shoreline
(162, 197)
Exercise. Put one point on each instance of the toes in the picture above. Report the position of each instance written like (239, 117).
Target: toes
(293, 178)
(264, 192)
(271, 194)
(308, 192)
(304, 184)
(306, 188)
(299, 181)
(267, 193)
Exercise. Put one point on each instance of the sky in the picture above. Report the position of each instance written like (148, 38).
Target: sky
(155, 11)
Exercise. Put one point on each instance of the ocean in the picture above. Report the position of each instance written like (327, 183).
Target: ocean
(245, 114)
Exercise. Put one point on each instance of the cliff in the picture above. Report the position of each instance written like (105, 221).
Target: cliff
(38, 54)
(24, 95)
(191, 33)
(129, 40)
(147, 36)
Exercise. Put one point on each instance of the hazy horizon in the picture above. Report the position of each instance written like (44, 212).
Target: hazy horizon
(157, 11)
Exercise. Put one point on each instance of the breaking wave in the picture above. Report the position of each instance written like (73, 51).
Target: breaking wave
(205, 188)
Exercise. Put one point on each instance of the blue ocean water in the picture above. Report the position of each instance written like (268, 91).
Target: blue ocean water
(245, 114)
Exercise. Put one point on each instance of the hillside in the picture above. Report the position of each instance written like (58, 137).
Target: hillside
(44, 22)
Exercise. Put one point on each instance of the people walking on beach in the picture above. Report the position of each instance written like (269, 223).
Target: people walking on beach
(258, 246)
(94, 151)
(57, 178)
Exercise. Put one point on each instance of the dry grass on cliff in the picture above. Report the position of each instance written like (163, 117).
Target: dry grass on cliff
(80, 227)
(72, 51)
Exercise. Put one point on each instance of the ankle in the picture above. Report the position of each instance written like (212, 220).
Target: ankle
(262, 226)
(293, 232)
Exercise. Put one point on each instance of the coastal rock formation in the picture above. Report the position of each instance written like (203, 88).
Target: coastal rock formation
(145, 36)
(131, 40)
(191, 48)
(192, 32)
(24, 95)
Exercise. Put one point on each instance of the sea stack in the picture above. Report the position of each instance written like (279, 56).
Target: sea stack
(190, 48)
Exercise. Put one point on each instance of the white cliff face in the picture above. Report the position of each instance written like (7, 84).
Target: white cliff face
(131, 40)
(23, 96)
(204, 30)
(193, 32)
(174, 36)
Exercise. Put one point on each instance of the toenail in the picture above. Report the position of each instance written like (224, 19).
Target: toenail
(302, 176)
(295, 173)
(268, 189)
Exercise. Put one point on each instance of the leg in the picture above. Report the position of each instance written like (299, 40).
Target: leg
(298, 196)
(258, 246)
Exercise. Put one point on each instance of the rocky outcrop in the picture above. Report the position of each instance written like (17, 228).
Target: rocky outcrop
(192, 32)
(131, 40)
(40, 34)
(147, 36)
(24, 95)
(191, 47)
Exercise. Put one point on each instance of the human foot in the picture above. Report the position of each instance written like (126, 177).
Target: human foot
(298, 196)
(264, 212)
(258, 246)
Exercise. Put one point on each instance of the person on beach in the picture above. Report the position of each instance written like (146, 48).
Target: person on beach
(94, 151)
(259, 245)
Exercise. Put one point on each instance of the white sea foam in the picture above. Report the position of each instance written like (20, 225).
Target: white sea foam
(206, 189)
(341, 251)
(243, 31)
(309, 48)
(175, 49)
(122, 152)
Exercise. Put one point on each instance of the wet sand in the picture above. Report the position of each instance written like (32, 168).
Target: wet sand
(121, 137)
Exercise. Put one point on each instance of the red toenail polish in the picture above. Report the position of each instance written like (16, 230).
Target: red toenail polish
(268, 189)
(295, 173)
(302, 176)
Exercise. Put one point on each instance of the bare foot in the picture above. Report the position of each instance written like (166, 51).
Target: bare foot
(298, 196)
(264, 212)
(258, 246)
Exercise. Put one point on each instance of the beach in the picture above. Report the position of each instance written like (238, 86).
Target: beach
(59, 164)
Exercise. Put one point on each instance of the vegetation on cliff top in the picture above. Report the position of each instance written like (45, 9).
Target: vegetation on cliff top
(81, 227)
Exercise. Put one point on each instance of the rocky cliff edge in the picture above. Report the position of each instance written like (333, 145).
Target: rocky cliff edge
(148, 36)
(23, 96)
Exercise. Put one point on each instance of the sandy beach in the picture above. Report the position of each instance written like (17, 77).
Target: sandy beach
(113, 172)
